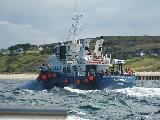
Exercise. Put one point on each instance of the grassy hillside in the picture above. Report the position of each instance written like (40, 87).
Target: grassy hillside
(121, 47)
(141, 64)
(24, 63)
(28, 63)
(124, 46)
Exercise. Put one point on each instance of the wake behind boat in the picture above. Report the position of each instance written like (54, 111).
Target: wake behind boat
(74, 64)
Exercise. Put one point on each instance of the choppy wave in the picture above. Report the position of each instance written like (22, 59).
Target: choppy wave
(140, 92)
(134, 92)
(80, 91)
(75, 118)
(31, 85)
(140, 102)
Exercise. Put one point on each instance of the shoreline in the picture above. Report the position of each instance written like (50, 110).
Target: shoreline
(147, 73)
(29, 76)
(23, 76)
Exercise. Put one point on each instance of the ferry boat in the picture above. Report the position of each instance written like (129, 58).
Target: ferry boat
(75, 65)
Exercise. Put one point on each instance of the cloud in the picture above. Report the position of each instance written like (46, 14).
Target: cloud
(36, 20)
(12, 34)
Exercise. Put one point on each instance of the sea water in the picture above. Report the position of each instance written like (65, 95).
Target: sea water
(141, 102)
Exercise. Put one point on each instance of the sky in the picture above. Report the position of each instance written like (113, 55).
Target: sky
(48, 21)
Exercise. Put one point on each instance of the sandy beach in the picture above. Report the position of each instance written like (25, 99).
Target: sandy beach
(19, 76)
(34, 76)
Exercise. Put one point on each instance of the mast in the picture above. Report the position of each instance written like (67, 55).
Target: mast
(72, 36)
(75, 25)
(75, 7)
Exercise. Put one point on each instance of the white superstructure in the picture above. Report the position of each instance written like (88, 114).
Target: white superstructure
(75, 58)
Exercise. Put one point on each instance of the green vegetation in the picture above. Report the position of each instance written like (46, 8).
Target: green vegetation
(123, 47)
(28, 63)
(23, 63)
(141, 64)
(25, 47)
(25, 58)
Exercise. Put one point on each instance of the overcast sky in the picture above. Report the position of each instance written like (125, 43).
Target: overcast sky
(48, 21)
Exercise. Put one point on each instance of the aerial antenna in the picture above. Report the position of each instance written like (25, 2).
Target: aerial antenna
(73, 31)
(75, 7)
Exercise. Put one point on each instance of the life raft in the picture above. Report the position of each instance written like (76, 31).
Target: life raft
(43, 77)
(91, 78)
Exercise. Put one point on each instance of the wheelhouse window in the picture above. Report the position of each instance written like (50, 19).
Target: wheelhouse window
(86, 48)
(68, 70)
(69, 49)
(64, 70)
(100, 48)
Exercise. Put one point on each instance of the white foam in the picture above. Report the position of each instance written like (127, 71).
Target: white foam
(140, 92)
(31, 85)
(75, 118)
(79, 91)
(80, 113)
(29, 91)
